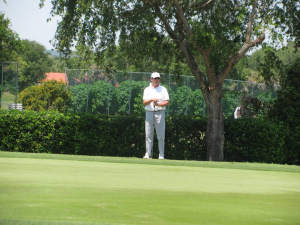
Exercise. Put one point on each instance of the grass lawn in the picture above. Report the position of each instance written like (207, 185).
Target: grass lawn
(61, 189)
(6, 99)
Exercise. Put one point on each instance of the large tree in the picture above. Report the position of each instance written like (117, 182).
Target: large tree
(216, 32)
(34, 63)
(10, 42)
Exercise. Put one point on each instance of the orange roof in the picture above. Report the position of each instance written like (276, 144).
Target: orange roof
(57, 76)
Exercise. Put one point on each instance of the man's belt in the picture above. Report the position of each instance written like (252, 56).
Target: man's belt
(156, 110)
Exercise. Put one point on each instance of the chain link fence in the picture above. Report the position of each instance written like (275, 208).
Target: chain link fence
(94, 91)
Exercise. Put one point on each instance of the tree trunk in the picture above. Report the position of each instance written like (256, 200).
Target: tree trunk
(212, 96)
(215, 125)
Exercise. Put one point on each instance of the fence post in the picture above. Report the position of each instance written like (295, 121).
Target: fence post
(237, 97)
(130, 92)
(187, 96)
(1, 85)
(108, 103)
(87, 94)
(66, 76)
(65, 87)
(17, 79)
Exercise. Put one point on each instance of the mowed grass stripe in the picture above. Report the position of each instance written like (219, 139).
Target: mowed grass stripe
(52, 191)
(227, 165)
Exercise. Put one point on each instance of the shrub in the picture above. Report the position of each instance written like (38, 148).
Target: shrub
(49, 95)
(246, 140)
(255, 140)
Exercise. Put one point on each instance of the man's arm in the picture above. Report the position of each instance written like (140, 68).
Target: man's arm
(148, 101)
(162, 104)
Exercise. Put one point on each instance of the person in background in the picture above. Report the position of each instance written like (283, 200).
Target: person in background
(237, 112)
(155, 100)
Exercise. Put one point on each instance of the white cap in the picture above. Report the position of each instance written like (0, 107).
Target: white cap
(155, 75)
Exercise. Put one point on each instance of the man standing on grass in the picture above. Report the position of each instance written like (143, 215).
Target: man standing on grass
(155, 100)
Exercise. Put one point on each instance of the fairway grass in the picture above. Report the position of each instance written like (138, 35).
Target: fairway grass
(75, 190)
(7, 98)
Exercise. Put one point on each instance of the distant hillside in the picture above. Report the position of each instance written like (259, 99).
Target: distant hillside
(56, 53)
(53, 52)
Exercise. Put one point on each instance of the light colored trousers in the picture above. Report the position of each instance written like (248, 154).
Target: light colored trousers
(158, 118)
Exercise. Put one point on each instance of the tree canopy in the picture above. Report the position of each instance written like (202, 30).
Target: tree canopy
(9, 40)
(34, 63)
(216, 32)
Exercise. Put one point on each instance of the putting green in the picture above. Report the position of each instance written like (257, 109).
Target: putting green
(54, 191)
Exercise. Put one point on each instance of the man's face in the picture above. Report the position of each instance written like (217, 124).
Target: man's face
(155, 81)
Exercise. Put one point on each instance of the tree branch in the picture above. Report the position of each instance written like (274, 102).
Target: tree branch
(182, 18)
(170, 31)
(186, 26)
(251, 21)
(194, 67)
(266, 17)
(234, 59)
(241, 53)
(206, 3)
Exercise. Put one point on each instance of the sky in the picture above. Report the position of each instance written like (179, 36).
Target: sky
(29, 21)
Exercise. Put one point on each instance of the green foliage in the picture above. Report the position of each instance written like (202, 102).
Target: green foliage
(101, 96)
(138, 46)
(82, 134)
(197, 106)
(254, 97)
(79, 95)
(230, 102)
(10, 75)
(126, 98)
(49, 95)
(10, 42)
(182, 100)
(58, 64)
(124, 136)
(266, 64)
(269, 65)
(129, 97)
(288, 55)
(185, 138)
(34, 63)
(257, 140)
(218, 33)
(241, 70)
(286, 107)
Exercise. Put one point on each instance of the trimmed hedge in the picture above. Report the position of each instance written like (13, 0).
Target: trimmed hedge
(246, 140)
(185, 138)
(256, 140)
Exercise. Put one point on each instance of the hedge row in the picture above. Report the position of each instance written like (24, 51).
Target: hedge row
(260, 140)
(246, 140)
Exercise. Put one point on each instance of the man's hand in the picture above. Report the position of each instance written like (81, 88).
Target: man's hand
(148, 101)
(155, 101)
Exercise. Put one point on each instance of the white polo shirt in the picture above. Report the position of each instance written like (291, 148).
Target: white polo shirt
(151, 92)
